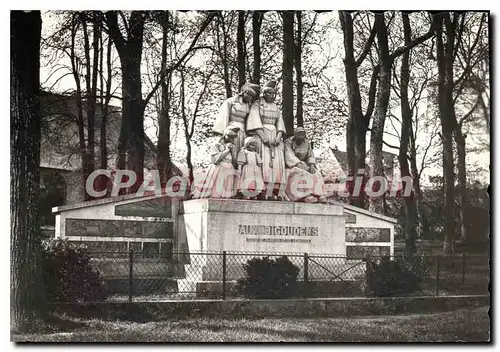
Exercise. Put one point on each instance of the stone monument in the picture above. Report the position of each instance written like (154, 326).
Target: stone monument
(267, 222)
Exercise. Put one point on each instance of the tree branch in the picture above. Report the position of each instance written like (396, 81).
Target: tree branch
(469, 65)
(389, 145)
(198, 101)
(367, 47)
(468, 115)
(114, 31)
(422, 165)
(181, 60)
(401, 50)
(306, 33)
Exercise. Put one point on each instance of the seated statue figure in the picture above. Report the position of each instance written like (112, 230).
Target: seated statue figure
(305, 182)
(220, 181)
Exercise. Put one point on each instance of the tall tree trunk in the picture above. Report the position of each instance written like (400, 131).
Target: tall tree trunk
(383, 96)
(288, 55)
(241, 48)
(189, 162)
(350, 147)
(133, 113)
(224, 54)
(257, 17)
(446, 114)
(103, 181)
(75, 21)
(410, 209)
(187, 133)
(91, 68)
(131, 140)
(97, 23)
(423, 226)
(87, 165)
(462, 182)
(163, 147)
(105, 109)
(26, 287)
(298, 71)
(357, 125)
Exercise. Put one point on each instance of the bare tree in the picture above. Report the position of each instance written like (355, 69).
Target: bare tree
(163, 145)
(287, 73)
(91, 73)
(103, 182)
(406, 117)
(222, 39)
(240, 42)
(385, 62)
(257, 18)
(445, 57)
(189, 118)
(130, 51)
(298, 70)
(421, 127)
(129, 48)
(470, 54)
(357, 124)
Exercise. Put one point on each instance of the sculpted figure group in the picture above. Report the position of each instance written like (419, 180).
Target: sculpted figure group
(251, 160)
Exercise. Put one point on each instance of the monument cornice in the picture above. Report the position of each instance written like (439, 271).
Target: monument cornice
(255, 207)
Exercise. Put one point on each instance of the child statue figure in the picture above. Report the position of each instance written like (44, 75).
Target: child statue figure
(250, 183)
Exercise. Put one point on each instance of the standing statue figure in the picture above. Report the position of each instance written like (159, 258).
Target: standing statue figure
(302, 170)
(220, 181)
(271, 140)
(250, 183)
(234, 112)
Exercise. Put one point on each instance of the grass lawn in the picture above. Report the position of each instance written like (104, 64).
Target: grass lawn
(459, 325)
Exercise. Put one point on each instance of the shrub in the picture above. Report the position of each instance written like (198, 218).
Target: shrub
(398, 276)
(68, 274)
(268, 278)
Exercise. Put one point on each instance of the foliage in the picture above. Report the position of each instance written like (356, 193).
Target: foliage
(396, 276)
(268, 278)
(68, 274)
(432, 210)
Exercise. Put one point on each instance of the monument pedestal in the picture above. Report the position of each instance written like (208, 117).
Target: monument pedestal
(206, 227)
(260, 226)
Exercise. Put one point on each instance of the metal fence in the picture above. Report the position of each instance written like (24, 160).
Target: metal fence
(146, 276)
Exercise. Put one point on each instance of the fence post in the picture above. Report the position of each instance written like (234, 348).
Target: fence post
(224, 274)
(463, 268)
(306, 275)
(437, 275)
(130, 274)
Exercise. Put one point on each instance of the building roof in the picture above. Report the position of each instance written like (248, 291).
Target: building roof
(389, 166)
(369, 213)
(108, 200)
(341, 157)
(60, 138)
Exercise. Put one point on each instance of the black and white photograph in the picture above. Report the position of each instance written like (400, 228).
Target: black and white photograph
(250, 176)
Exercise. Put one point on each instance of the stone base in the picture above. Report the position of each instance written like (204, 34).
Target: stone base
(246, 229)
(260, 226)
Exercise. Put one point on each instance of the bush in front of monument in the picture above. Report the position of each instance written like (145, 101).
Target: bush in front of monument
(394, 276)
(266, 278)
(69, 275)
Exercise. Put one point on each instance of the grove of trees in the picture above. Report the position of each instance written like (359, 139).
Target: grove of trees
(421, 77)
